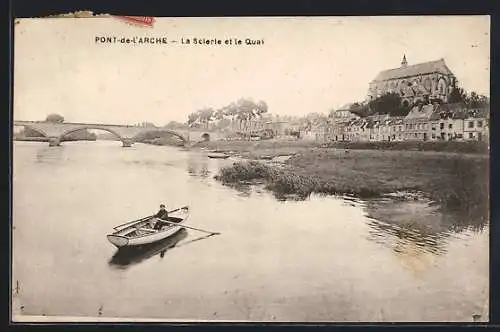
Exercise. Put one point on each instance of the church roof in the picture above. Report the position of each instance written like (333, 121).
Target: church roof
(419, 69)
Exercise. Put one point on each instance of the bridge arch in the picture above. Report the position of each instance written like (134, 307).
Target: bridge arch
(161, 131)
(205, 137)
(72, 130)
(34, 128)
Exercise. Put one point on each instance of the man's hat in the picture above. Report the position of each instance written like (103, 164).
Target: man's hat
(162, 205)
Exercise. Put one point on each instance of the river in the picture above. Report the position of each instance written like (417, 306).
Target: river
(322, 259)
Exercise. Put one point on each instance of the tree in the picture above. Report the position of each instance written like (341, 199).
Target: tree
(205, 115)
(28, 132)
(457, 95)
(483, 101)
(55, 118)
(174, 125)
(193, 118)
(472, 100)
(231, 112)
(242, 112)
(361, 110)
(248, 110)
(475, 100)
(389, 103)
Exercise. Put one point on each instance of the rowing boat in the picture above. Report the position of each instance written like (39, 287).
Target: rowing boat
(218, 156)
(140, 232)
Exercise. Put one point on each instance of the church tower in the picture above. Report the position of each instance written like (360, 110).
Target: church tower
(404, 63)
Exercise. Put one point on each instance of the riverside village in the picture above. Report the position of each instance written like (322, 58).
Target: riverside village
(420, 102)
(374, 211)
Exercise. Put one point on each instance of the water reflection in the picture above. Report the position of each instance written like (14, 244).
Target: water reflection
(399, 236)
(424, 226)
(51, 155)
(128, 256)
(149, 163)
(197, 166)
(416, 251)
(287, 287)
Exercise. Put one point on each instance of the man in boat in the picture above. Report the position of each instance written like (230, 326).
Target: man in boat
(161, 215)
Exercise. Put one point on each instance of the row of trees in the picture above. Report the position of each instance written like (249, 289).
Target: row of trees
(389, 103)
(471, 100)
(239, 115)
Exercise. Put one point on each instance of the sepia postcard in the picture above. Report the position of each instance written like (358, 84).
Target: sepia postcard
(251, 169)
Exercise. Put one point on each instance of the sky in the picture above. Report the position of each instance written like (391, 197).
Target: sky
(306, 64)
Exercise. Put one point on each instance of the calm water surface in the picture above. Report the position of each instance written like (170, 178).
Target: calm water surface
(323, 259)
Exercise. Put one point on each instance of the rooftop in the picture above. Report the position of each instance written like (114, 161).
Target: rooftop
(438, 66)
(422, 112)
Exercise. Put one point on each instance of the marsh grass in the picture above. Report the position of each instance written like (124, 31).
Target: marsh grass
(475, 147)
(458, 183)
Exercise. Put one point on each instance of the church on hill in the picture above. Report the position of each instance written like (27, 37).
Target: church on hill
(426, 82)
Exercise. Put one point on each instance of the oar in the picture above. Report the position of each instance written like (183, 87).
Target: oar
(145, 218)
(197, 239)
(131, 222)
(181, 208)
(190, 227)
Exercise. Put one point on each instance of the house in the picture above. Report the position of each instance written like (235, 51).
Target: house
(447, 122)
(417, 124)
(276, 127)
(354, 129)
(379, 127)
(338, 123)
(476, 124)
(316, 131)
(396, 125)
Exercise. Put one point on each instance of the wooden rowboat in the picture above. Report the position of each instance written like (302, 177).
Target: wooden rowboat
(140, 232)
(218, 156)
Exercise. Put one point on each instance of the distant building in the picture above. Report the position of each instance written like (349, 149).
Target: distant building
(417, 124)
(379, 127)
(428, 81)
(447, 122)
(476, 124)
(339, 120)
(426, 87)
(317, 132)
(396, 124)
(276, 127)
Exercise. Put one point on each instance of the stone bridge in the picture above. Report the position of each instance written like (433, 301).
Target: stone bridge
(125, 133)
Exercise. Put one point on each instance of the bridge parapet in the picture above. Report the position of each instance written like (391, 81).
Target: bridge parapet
(126, 133)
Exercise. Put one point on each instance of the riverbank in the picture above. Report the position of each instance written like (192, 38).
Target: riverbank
(454, 181)
(265, 149)
(258, 149)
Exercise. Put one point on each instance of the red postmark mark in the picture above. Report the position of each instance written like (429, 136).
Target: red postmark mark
(145, 21)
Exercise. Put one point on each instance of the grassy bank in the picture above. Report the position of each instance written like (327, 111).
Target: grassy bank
(257, 149)
(438, 146)
(455, 182)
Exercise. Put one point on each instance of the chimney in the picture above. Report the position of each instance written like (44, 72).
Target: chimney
(404, 63)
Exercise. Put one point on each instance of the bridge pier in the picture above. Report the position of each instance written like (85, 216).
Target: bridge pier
(127, 142)
(54, 141)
